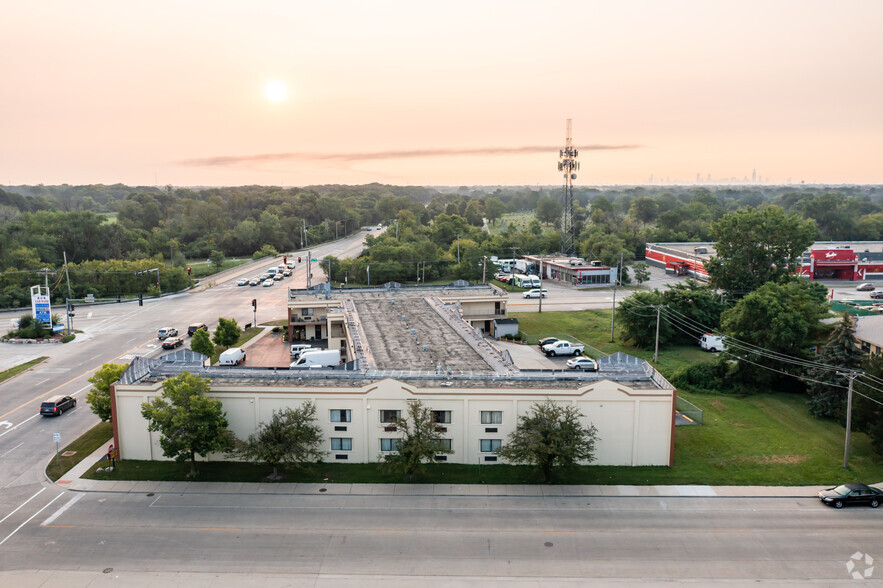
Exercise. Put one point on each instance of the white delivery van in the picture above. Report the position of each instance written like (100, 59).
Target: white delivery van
(317, 358)
(233, 356)
(271, 272)
(532, 282)
(710, 342)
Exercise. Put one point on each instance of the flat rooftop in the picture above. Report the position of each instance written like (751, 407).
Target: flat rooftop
(688, 250)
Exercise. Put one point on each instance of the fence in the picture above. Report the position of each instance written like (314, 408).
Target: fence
(689, 410)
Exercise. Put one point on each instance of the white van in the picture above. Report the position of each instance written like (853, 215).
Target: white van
(532, 282)
(271, 272)
(710, 342)
(317, 358)
(299, 348)
(233, 356)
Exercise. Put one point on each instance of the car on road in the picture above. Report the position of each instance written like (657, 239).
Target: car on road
(191, 330)
(877, 295)
(278, 278)
(852, 494)
(166, 332)
(263, 277)
(242, 282)
(286, 272)
(172, 342)
(267, 283)
(866, 287)
(254, 282)
(535, 293)
(546, 341)
(583, 363)
(56, 405)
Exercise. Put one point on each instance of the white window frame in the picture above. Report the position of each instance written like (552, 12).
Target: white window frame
(381, 416)
(342, 444)
(391, 442)
(491, 420)
(491, 443)
(348, 415)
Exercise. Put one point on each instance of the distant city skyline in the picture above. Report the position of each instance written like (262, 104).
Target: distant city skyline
(464, 93)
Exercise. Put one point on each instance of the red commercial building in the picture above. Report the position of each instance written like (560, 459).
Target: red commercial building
(854, 261)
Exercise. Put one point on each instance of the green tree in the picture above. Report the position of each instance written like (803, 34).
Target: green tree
(867, 408)
(189, 422)
(642, 272)
(827, 389)
(227, 333)
(494, 209)
(637, 320)
(99, 396)
(774, 319)
(292, 436)
(550, 435)
(421, 440)
(217, 259)
(549, 210)
(756, 246)
(202, 344)
(265, 251)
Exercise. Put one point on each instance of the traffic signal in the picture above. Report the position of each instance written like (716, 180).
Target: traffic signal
(188, 270)
(72, 307)
(284, 259)
(140, 299)
(254, 303)
(298, 259)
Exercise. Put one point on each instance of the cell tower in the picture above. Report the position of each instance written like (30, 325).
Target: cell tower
(568, 164)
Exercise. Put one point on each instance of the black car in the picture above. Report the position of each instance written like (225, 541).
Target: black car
(172, 342)
(191, 330)
(852, 494)
(547, 341)
(56, 405)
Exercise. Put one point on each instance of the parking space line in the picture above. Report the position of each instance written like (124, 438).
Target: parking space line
(22, 504)
(13, 449)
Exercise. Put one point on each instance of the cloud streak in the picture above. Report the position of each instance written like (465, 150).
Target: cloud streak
(244, 160)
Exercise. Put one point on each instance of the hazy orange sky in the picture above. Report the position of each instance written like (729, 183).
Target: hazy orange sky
(441, 93)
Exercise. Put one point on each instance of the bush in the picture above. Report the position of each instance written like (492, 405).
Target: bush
(706, 377)
(68, 338)
(265, 251)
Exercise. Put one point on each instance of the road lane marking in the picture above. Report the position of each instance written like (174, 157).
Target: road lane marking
(22, 504)
(41, 381)
(17, 529)
(20, 424)
(75, 378)
(13, 449)
(61, 510)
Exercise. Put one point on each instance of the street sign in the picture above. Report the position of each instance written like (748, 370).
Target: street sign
(314, 259)
(56, 437)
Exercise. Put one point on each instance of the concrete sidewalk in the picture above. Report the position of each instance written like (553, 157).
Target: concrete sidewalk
(72, 480)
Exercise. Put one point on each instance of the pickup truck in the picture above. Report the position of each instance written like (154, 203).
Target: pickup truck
(563, 348)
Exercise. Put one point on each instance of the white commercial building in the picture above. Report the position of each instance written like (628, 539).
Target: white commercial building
(406, 345)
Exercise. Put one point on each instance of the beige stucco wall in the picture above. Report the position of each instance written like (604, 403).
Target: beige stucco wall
(634, 425)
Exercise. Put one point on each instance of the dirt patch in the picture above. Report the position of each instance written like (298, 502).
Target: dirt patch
(718, 404)
(775, 459)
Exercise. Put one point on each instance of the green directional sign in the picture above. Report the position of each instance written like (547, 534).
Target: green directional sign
(314, 259)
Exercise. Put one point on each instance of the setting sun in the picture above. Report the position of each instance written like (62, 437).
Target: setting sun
(276, 91)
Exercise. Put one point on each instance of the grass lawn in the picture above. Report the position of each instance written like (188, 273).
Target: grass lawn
(202, 268)
(84, 446)
(14, 371)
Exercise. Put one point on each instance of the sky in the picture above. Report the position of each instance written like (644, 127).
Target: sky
(451, 93)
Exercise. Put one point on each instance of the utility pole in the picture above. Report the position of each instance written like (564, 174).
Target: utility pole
(70, 323)
(458, 248)
(484, 271)
(309, 268)
(541, 284)
(613, 315)
(851, 376)
(656, 349)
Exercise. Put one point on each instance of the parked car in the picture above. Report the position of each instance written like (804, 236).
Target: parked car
(713, 343)
(166, 332)
(172, 342)
(583, 363)
(232, 356)
(268, 282)
(546, 341)
(191, 330)
(299, 348)
(242, 282)
(254, 282)
(848, 303)
(866, 287)
(563, 348)
(56, 405)
(877, 295)
(852, 494)
(535, 293)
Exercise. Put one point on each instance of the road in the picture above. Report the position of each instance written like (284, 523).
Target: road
(114, 333)
(402, 540)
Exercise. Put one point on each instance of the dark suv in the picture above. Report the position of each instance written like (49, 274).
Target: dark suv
(56, 405)
(191, 330)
